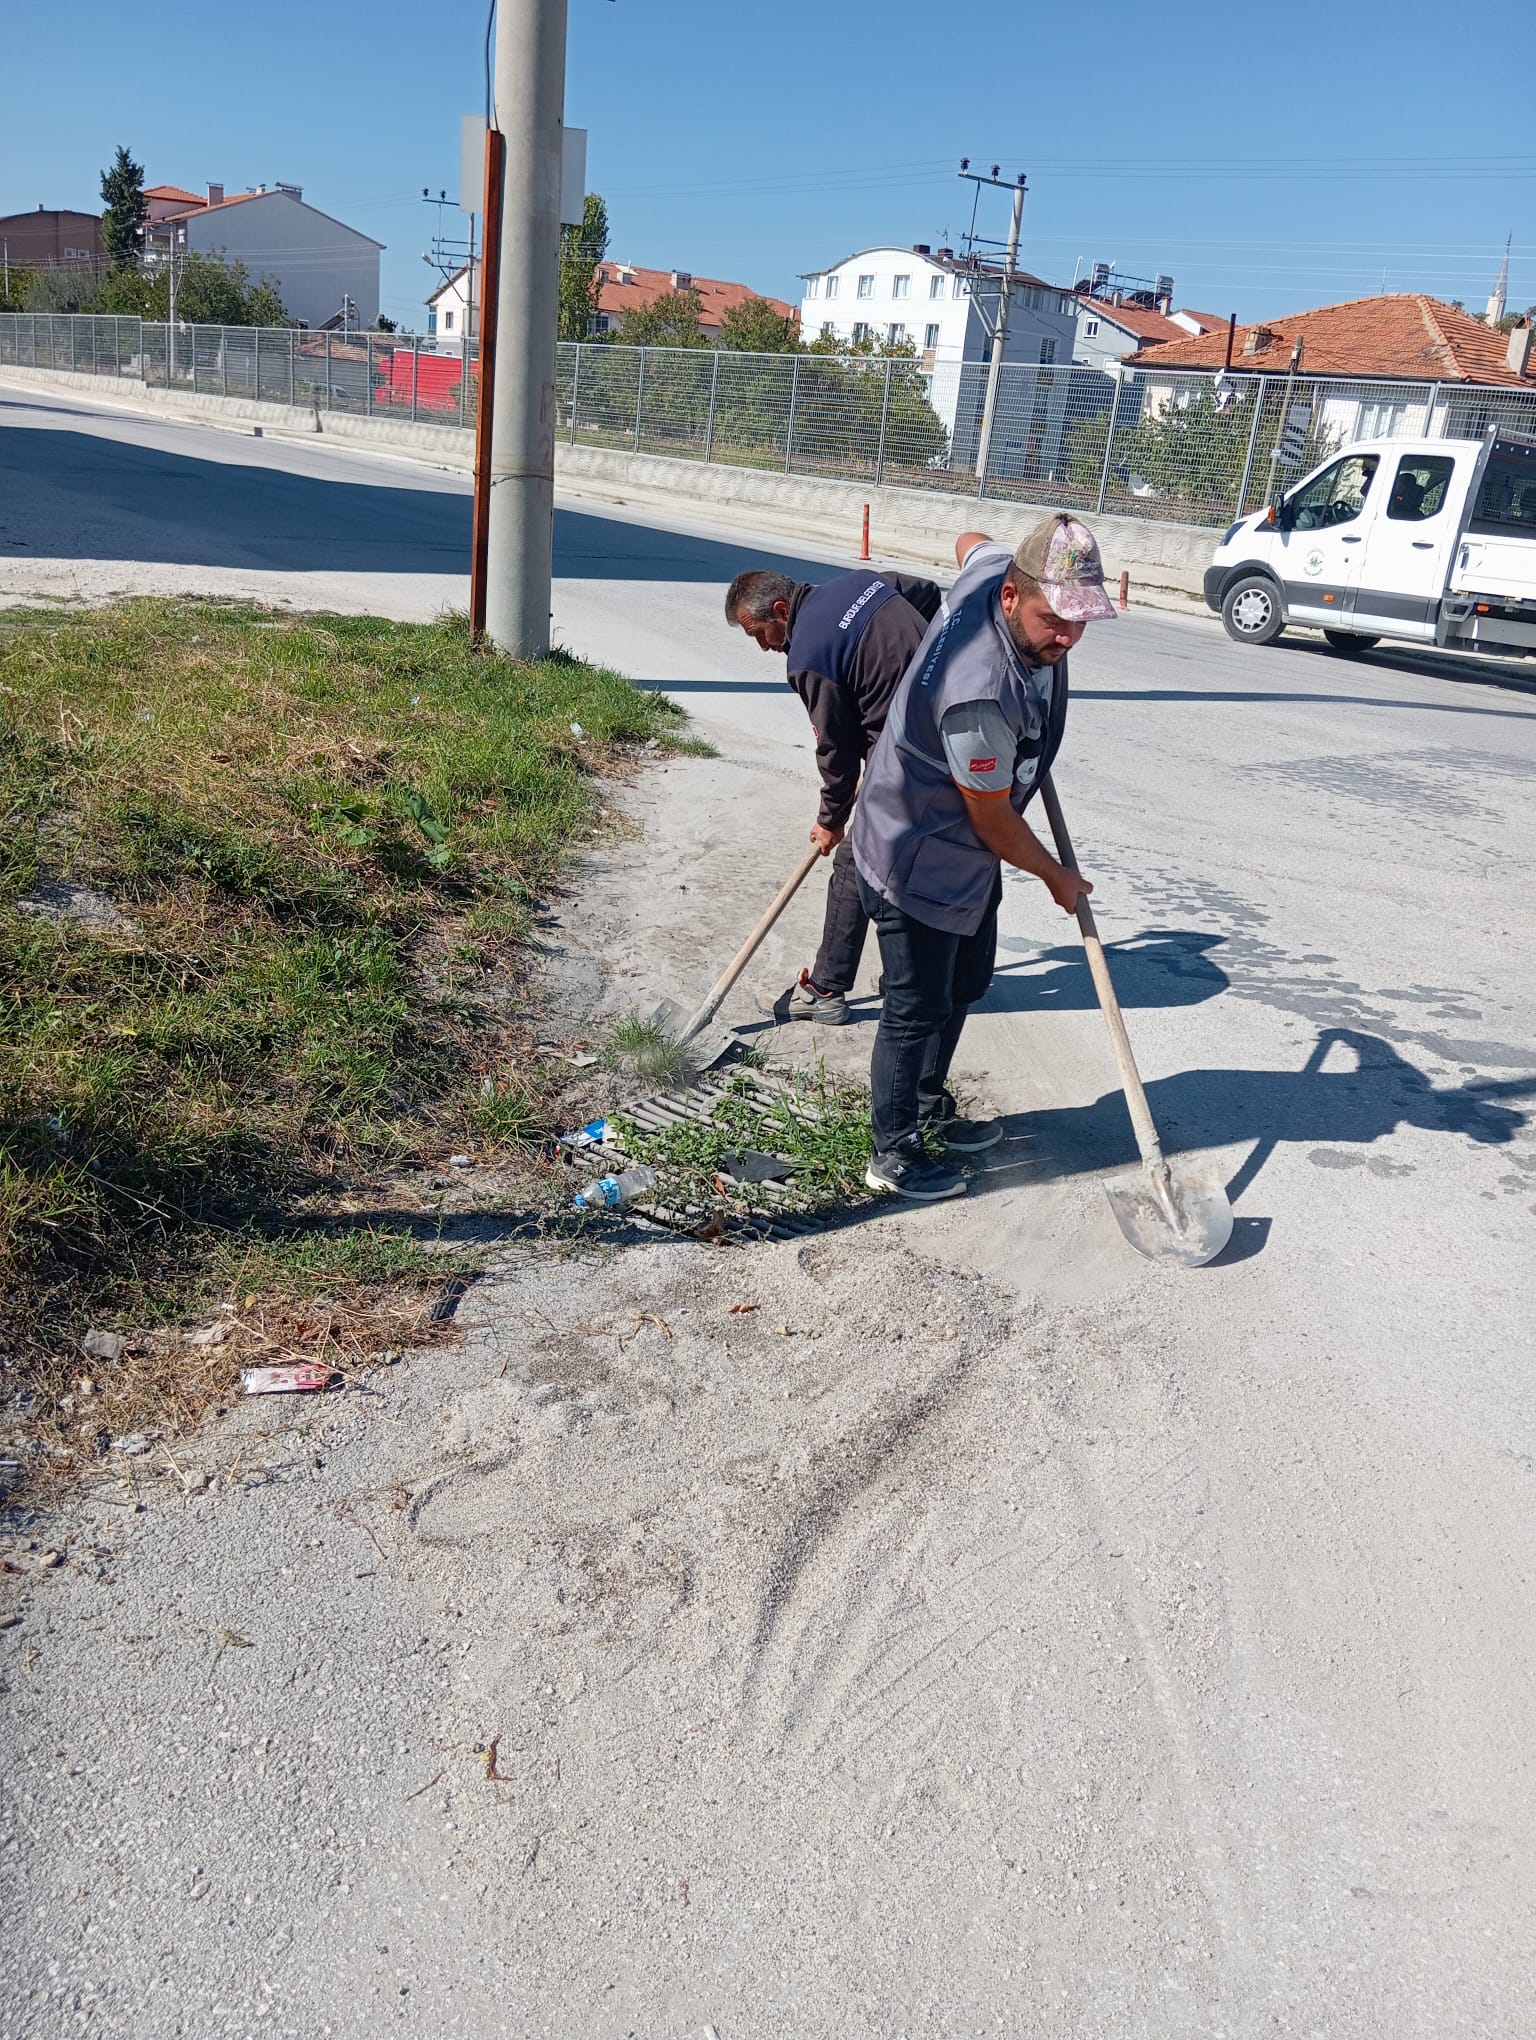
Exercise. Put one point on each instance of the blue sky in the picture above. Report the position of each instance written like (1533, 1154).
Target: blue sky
(1267, 167)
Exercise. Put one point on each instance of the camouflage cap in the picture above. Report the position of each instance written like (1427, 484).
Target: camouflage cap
(1063, 556)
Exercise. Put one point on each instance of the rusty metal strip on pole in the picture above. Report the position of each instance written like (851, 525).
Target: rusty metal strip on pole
(490, 281)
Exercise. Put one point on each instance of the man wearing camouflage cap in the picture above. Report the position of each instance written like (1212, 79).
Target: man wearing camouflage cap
(977, 719)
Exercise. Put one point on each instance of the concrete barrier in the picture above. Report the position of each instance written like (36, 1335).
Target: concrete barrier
(1166, 562)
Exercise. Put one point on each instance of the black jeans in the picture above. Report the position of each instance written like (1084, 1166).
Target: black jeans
(843, 930)
(932, 979)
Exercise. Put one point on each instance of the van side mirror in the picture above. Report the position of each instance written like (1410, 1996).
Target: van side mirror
(1285, 517)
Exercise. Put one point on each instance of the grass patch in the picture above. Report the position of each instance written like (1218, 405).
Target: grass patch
(322, 838)
(818, 1122)
(647, 1052)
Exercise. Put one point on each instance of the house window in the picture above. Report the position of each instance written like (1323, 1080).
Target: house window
(931, 335)
(1047, 350)
(935, 286)
(447, 322)
(1091, 328)
(896, 333)
(957, 289)
(900, 285)
(832, 286)
(1381, 421)
(866, 286)
(827, 329)
(813, 287)
(860, 331)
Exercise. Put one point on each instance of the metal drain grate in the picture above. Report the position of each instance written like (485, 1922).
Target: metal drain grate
(784, 1220)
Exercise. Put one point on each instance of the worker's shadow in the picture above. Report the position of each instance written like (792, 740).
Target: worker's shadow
(1162, 967)
(1327, 1103)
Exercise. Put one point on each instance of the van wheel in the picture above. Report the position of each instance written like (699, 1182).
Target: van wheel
(1251, 610)
(1350, 640)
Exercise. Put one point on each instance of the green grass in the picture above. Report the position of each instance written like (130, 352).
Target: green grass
(646, 1052)
(326, 834)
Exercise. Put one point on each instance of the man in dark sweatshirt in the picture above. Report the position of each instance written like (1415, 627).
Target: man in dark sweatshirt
(847, 643)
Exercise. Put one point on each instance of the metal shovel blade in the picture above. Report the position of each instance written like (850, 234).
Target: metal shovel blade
(1172, 1214)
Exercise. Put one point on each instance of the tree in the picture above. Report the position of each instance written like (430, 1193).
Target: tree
(581, 250)
(209, 292)
(61, 290)
(674, 319)
(122, 187)
(383, 325)
(754, 327)
(1512, 319)
(15, 286)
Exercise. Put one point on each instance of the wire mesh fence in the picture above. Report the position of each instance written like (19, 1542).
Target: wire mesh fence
(1176, 445)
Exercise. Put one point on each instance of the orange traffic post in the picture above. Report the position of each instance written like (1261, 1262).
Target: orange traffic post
(864, 546)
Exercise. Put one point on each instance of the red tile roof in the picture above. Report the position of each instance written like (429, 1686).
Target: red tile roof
(202, 206)
(1208, 322)
(1150, 328)
(717, 298)
(1404, 335)
(174, 191)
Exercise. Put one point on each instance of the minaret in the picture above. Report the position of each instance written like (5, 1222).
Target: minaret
(1500, 291)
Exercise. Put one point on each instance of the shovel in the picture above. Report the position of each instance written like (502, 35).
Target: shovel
(1167, 1213)
(749, 948)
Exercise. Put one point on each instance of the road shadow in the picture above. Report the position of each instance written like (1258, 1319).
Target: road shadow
(1317, 1106)
(83, 496)
(1248, 696)
(1424, 662)
(1160, 967)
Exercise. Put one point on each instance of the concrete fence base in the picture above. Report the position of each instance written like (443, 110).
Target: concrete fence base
(1166, 562)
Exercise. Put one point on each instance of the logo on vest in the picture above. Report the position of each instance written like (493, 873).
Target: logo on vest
(983, 764)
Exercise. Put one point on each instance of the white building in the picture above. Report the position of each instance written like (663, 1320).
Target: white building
(944, 306)
(937, 302)
(316, 263)
(450, 312)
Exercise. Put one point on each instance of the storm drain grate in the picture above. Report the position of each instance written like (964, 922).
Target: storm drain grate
(785, 1217)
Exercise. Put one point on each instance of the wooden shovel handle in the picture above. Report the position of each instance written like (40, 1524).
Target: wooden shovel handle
(1098, 964)
(749, 948)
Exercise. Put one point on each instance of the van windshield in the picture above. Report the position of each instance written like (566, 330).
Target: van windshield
(1506, 502)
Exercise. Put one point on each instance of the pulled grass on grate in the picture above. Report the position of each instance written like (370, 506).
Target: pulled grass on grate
(309, 849)
(817, 1121)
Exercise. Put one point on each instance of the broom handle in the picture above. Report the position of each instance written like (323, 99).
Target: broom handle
(1135, 1096)
(748, 949)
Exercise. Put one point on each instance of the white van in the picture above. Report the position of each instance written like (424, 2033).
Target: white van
(1429, 540)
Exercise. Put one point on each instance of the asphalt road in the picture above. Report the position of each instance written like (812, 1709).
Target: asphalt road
(1301, 1482)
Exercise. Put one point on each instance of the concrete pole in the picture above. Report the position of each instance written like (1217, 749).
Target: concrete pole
(529, 111)
(999, 338)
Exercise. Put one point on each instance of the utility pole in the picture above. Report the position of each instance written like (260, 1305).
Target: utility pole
(170, 324)
(1004, 305)
(528, 110)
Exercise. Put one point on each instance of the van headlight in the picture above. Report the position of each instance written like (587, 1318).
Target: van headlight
(1232, 530)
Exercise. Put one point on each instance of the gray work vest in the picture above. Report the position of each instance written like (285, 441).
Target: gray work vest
(912, 837)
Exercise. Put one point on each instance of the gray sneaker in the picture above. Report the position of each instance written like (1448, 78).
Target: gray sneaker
(911, 1172)
(806, 1002)
(965, 1136)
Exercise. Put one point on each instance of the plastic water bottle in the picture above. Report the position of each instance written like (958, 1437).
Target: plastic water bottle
(616, 1193)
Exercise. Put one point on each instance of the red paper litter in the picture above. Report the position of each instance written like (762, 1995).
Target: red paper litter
(301, 1380)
